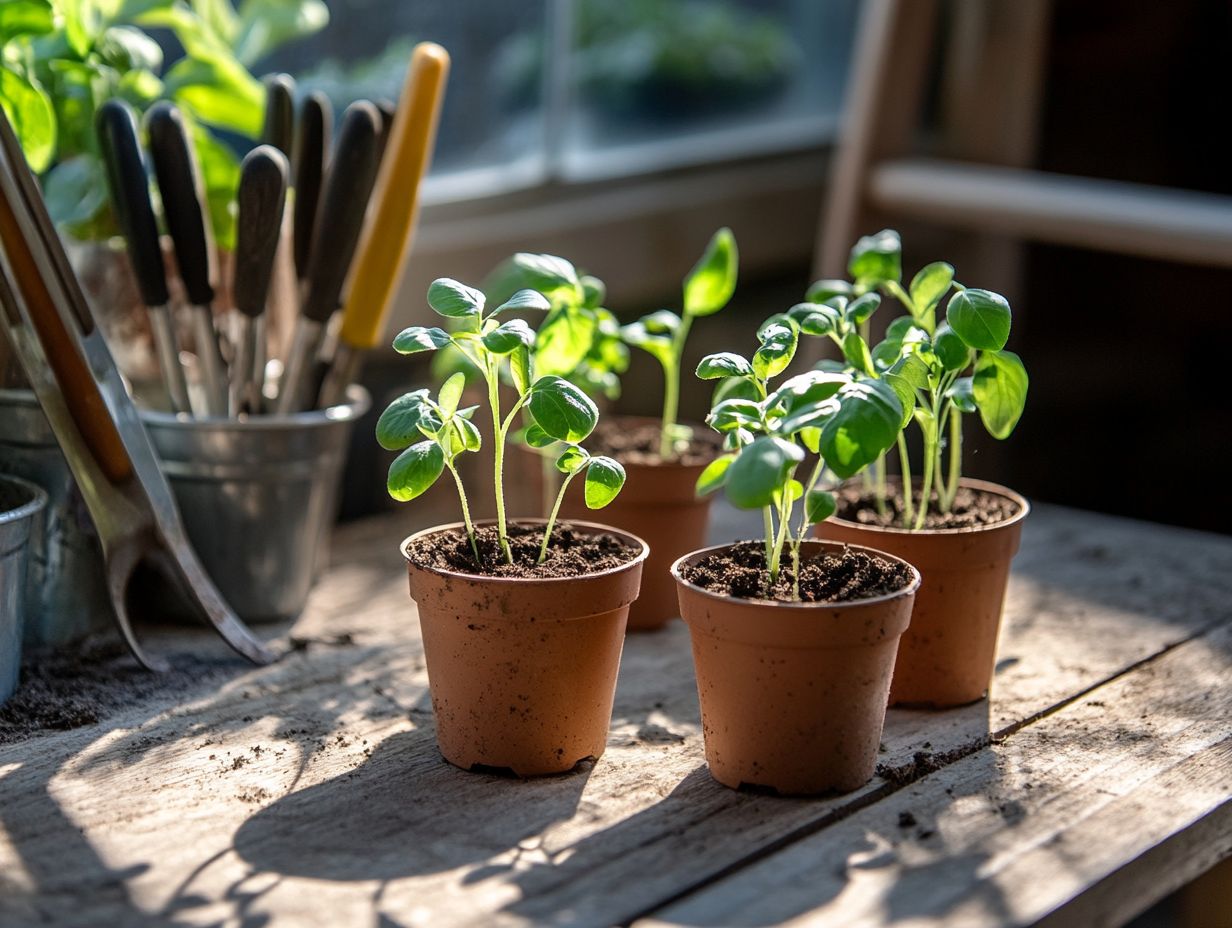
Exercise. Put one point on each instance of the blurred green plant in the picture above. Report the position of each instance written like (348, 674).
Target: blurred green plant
(62, 59)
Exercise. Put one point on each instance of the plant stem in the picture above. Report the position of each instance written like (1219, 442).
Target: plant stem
(547, 531)
(780, 538)
(768, 520)
(466, 512)
(498, 454)
(671, 389)
(926, 484)
(904, 467)
(956, 438)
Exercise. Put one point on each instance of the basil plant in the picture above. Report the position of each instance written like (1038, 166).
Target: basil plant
(432, 432)
(846, 418)
(940, 370)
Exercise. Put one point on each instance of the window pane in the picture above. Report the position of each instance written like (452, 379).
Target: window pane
(658, 83)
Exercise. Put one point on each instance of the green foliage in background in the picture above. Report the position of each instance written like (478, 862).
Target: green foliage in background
(62, 59)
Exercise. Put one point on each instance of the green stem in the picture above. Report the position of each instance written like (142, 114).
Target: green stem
(547, 531)
(779, 539)
(498, 454)
(956, 439)
(671, 389)
(926, 484)
(768, 520)
(904, 467)
(466, 512)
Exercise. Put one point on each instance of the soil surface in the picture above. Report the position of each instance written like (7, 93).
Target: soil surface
(971, 509)
(842, 577)
(571, 553)
(636, 442)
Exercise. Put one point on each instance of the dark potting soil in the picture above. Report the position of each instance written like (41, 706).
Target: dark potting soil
(638, 443)
(571, 553)
(971, 509)
(839, 577)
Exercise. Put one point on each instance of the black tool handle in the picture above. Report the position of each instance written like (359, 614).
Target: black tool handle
(388, 112)
(311, 144)
(179, 184)
(279, 129)
(116, 124)
(351, 176)
(262, 195)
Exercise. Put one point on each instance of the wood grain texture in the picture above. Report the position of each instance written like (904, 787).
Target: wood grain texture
(311, 793)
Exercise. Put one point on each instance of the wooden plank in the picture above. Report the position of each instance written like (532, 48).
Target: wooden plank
(1086, 818)
(1136, 219)
(312, 792)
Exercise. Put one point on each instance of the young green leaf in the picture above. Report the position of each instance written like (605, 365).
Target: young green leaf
(715, 474)
(572, 460)
(536, 437)
(950, 350)
(561, 409)
(723, 364)
(520, 368)
(778, 347)
(819, 506)
(930, 285)
(814, 318)
(455, 300)
(415, 470)
(604, 479)
(867, 422)
(735, 388)
(711, 283)
(876, 259)
(962, 394)
(567, 336)
(733, 414)
(524, 299)
(999, 388)
(451, 394)
(398, 425)
(980, 318)
(468, 433)
(509, 336)
(420, 338)
(594, 292)
(545, 273)
(822, 290)
(759, 470)
(860, 309)
(639, 336)
(807, 389)
(855, 350)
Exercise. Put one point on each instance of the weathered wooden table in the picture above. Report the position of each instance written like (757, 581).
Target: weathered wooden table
(1095, 781)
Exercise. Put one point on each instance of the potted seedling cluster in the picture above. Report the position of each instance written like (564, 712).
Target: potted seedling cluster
(794, 639)
(945, 359)
(523, 621)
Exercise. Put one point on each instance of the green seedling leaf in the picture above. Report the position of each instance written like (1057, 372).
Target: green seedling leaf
(545, 273)
(420, 338)
(637, 335)
(760, 471)
(735, 388)
(430, 422)
(711, 283)
(808, 389)
(930, 285)
(520, 369)
(565, 339)
(980, 318)
(812, 416)
(860, 309)
(962, 395)
(661, 322)
(876, 259)
(724, 364)
(823, 290)
(509, 336)
(866, 424)
(524, 299)
(594, 292)
(793, 489)
(415, 470)
(572, 460)
(999, 388)
(398, 425)
(455, 300)
(905, 393)
(468, 433)
(32, 116)
(778, 347)
(950, 350)
(913, 369)
(536, 437)
(733, 414)
(451, 394)
(814, 318)
(562, 410)
(715, 474)
(819, 506)
(855, 350)
(811, 439)
(736, 439)
(604, 479)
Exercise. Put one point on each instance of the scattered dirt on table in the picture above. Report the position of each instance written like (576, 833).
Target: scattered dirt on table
(923, 763)
(637, 442)
(906, 819)
(571, 553)
(971, 509)
(63, 689)
(841, 577)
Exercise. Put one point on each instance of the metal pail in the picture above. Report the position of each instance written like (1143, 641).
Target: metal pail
(21, 503)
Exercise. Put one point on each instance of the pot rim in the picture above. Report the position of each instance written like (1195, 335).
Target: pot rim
(987, 486)
(357, 403)
(639, 558)
(34, 505)
(908, 590)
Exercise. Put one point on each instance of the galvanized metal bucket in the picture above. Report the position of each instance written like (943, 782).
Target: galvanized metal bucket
(21, 504)
(67, 597)
(258, 498)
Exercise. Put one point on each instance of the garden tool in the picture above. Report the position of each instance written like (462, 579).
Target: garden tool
(353, 170)
(71, 371)
(279, 128)
(179, 184)
(262, 196)
(387, 237)
(130, 201)
(311, 148)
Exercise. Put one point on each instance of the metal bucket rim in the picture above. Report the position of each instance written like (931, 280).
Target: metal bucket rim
(358, 403)
(38, 500)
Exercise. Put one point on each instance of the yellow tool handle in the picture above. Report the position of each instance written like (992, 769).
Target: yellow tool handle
(387, 237)
(81, 393)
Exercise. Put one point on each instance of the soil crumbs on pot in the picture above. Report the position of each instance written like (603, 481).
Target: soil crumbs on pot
(571, 553)
(841, 577)
(638, 443)
(971, 509)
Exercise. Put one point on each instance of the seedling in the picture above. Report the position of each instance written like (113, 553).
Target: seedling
(844, 417)
(939, 370)
(432, 433)
(707, 289)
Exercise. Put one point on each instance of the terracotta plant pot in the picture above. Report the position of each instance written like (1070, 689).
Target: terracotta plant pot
(522, 672)
(793, 695)
(947, 656)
